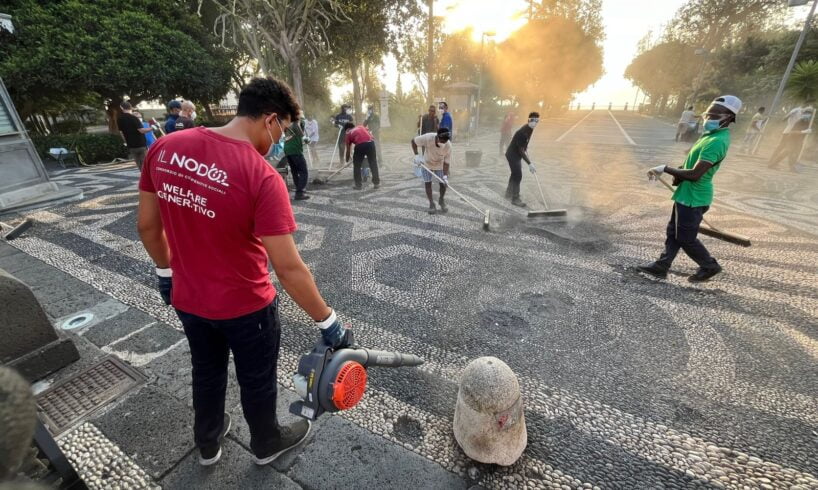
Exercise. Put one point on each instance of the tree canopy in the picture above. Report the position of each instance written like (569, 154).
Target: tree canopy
(59, 54)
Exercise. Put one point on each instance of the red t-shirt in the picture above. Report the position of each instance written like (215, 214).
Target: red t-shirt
(217, 196)
(358, 135)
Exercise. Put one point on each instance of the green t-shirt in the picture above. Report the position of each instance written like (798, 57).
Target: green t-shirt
(711, 147)
(295, 145)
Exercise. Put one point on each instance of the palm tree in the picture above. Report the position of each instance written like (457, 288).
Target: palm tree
(803, 84)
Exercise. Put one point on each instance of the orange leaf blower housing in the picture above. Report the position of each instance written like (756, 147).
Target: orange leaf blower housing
(329, 380)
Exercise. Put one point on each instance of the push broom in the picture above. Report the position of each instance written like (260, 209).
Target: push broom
(546, 211)
(484, 213)
(318, 180)
(712, 231)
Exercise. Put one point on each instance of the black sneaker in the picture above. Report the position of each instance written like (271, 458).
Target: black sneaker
(357, 187)
(518, 202)
(443, 208)
(289, 437)
(654, 270)
(376, 186)
(301, 197)
(702, 275)
(211, 455)
(432, 208)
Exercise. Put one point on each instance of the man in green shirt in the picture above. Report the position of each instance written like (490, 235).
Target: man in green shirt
(294, 155)
(694, 193)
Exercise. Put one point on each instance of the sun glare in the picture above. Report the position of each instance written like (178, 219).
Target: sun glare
(500, 17)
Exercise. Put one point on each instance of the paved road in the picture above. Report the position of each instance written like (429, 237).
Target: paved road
(628, 382)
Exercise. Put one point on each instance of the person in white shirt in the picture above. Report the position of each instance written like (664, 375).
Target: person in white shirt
(754, 131)
(687, 123)
(437, 158)
(311, 132)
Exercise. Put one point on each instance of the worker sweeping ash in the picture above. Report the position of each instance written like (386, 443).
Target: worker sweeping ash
(515, 154)
(694, 192)
(437, 159)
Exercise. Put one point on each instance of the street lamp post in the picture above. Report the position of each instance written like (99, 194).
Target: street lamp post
(786, 77)
(430, 53)
(483, 37)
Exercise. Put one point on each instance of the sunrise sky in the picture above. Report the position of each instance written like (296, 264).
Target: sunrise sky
(626, 21)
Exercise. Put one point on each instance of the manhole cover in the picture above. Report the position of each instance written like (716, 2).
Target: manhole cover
(67, 403)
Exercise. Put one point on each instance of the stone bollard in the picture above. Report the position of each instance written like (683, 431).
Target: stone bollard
(488, 419)
(30, 343)
(18, 414)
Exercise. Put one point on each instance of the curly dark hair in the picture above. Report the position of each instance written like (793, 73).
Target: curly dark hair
(533, 114)
(266, 96)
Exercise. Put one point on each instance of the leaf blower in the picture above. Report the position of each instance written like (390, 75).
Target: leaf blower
(330, 380)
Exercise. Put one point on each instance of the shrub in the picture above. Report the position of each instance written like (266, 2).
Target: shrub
(68, 127)
(92, 147)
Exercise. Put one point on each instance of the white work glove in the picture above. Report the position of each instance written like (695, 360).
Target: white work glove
(531, 168)
(446, 179)
(418, 161)
(655, 172)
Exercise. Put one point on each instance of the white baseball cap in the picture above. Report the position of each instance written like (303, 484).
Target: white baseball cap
(731, 102)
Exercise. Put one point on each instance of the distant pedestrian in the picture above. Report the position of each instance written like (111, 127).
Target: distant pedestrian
(754, 131)
(687, 125)
(373, 124)
(133, 133)
(340, 120)
(446, 118)
(437, 158)
(505, 130)
(311, 131)
(361, 139)
(294, 156)
(174, 108)
(515, 154)
(185, 119)
(792, 141)
(428, 123)
(150, 138)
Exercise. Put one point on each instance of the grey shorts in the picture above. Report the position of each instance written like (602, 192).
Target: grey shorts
(427, 177)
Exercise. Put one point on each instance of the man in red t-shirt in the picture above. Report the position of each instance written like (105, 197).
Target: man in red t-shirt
(364, 147)
(212, 212)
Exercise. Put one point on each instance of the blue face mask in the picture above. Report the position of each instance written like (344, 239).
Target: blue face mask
(276, 149)
(712, 124)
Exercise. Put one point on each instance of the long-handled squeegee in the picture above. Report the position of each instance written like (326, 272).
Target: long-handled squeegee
(712, 231)
(546, 211)
(16, 230)
(484, 213)
(319, 180)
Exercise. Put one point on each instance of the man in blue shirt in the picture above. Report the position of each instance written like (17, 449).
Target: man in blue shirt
(174, 108)
(446, 118)
(150, 138)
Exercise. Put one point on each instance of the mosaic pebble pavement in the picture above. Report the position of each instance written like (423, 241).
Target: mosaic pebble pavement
(628, 382)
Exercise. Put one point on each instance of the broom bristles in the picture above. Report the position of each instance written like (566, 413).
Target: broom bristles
(742, 240)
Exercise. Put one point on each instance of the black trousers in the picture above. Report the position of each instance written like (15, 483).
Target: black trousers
(365, 150)
(682, 233)
(298, 166)
(515, 164)
(254, 340)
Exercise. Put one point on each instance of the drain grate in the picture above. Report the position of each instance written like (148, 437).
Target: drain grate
(75, 398)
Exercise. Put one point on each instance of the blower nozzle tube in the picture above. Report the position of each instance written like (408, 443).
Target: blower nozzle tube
(390, 359)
